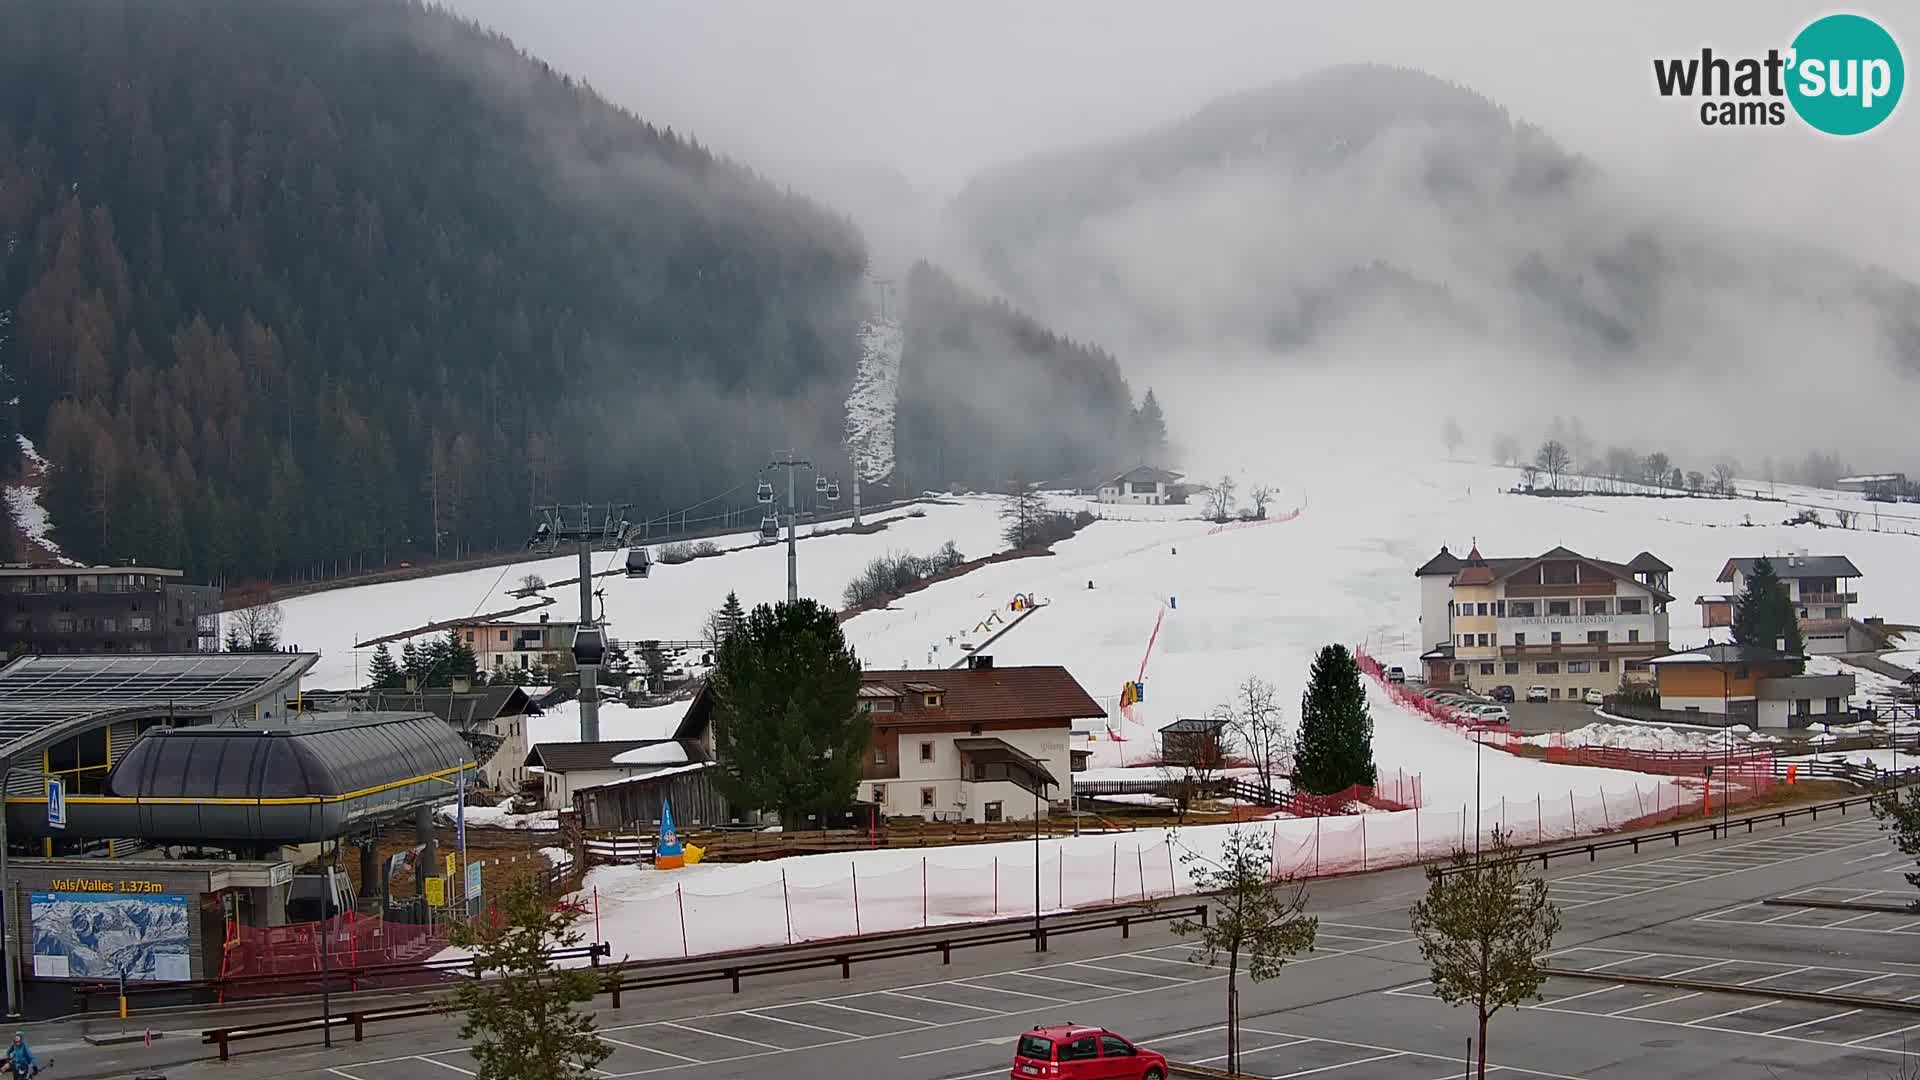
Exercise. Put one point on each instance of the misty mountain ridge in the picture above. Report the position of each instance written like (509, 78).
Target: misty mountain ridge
(1382, 205)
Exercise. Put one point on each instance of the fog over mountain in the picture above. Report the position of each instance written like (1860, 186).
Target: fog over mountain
(1332, 228)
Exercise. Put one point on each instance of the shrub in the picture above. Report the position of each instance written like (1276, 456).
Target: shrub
(673, 554)
(892, 574)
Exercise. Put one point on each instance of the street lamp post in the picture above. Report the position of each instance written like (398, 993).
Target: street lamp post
(1726, 770)
(1039, 938)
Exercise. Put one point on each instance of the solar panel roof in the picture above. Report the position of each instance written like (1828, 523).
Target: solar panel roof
(44, 697)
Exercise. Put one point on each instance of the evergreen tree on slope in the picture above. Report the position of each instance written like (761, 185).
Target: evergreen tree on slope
(785, 696)
(383, 673)
(1335, 747)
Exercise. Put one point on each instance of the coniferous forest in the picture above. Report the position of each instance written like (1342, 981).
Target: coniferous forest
(292, 283)
(294, 280)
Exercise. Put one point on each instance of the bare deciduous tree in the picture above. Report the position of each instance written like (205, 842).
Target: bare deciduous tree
(1506, 450)
(1220, 498)
(1452, 435)
(1552, 460)
(1261, 495)
(1258, 726)
(254, 629)
(1723, 479)
(532, 583)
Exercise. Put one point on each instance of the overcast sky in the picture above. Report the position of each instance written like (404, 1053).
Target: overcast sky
(939, 89)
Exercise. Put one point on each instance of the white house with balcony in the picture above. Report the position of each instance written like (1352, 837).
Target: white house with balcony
(1562, 620)
(1143, 485)
(1821, 589)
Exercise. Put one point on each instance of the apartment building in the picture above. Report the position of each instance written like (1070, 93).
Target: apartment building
(1562, 620)
(520, 644)
(107, 609)
(1822, 592)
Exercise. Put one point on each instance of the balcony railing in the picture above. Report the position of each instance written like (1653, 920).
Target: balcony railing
(1588, 588)
(1585, 648)
(1829, 598)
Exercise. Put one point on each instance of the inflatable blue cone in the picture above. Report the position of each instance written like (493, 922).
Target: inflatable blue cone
(669, 855)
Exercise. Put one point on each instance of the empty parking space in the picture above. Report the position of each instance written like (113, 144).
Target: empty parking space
(1826, 919)
(1843, 1026)
(1271, 1053)
(1707, 862)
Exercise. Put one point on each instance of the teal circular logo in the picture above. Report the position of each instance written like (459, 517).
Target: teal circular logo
(1846, 74)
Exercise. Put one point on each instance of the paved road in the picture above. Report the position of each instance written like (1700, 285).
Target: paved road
(1358, 1007)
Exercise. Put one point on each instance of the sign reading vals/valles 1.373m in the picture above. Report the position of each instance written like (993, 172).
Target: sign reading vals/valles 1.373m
(102, 885)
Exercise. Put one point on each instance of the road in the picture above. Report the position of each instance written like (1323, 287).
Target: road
(1357, 1007)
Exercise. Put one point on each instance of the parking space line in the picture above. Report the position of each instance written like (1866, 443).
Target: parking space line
(444, 1065)
(715, 1034)
(1808, 1023)
(1775, 975)
(1142, 974)
(1068, 982)
(1589, 993)
(1297, 1040)
(1856, 982)
(1882, 1035)
(651, 1050)
(1650, 1004)
(1347, 1064)
(1787, 914)
(1731, 1012)
(1623, 960)
(1697, 967)
(1854, 918)
(343, 1072)
(997, 990)
(1171, 960)
(796, 1023)
(1491, 1066)
(937, 1001)
(870, 1012)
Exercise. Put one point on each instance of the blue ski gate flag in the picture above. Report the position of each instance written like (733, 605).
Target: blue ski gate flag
(669, 855)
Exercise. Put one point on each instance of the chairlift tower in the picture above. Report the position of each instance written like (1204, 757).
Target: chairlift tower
(821, 485)
(589, 638)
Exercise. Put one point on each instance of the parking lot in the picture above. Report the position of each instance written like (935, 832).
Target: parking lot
(749, 1035)
(1700, 862)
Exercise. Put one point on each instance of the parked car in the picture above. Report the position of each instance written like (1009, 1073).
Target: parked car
(1595, 697)
(1491, 714)
(1396, 674)
(1537, 693)
(1503, 693)
(1078, 1052)
(1432, 692)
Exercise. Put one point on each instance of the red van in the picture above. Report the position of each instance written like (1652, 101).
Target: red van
(1077, 1052)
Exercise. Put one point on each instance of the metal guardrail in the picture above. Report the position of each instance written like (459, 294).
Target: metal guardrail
(733, 967)
(1712, 828)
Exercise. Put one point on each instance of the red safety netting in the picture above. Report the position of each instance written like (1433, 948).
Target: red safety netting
(351, 943)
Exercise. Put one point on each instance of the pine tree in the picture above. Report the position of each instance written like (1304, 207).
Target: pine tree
(785, 689)
(413, 664)
(524, 1015)
(1763, 615)
(1335, 747)
(460, 661)
(382, 672)
(1483, 928)
(1255, 916)
(1150, 430)
(723, 622)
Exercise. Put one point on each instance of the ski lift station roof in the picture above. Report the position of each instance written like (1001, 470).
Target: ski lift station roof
(44, 699)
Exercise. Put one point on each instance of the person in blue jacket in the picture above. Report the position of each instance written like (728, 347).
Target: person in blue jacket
(19, 1058)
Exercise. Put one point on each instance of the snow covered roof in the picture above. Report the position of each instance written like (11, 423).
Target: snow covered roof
(1795, 566)
(1145, 474)
(572, 756)
(655, 774)
(654, 753)
(1873, 478)
(1726, 654)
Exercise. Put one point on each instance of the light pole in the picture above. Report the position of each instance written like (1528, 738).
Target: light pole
(1726, 768)
(1039, 940)
(1478, 743)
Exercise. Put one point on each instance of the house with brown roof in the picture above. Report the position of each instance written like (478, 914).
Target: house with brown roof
(1821, 589)
(1560, 619)
(565, 768)
(977, 743)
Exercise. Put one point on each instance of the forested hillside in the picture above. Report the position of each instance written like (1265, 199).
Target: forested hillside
(989, 397)
(284, 281)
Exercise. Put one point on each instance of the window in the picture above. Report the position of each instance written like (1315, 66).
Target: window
(1466, 641)
(933, 701)
(1513, 669)
(1547, 667)
(1633, 636)
(880, 793)
(993, 812)
(1519, 638)
(1500, 609)
(1483, 641)
(109, 624)
(1554, 637)
(1559, 607)
(63, 624)
(1596, 637)
(882, 705)
(1554, 693)
(503, 636)
(879, 755)
(1486, 669)
(1079, 1050)
(1833, 705)
(1483, 609)
(1523, 609)
(140, 622)
(1593, 607)
(1459, 669)
(1803, 707)
(926, 797)
(1114, 1046)
(926, 751)
(1631, 605)
(1605, 666)
(1579, 667)
(1831, 613)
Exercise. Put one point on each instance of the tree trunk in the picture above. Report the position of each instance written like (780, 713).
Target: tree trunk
(1233, 1011)
(1483, 1046)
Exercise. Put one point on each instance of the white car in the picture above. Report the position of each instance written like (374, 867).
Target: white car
(1537, 693)
(1491, 714)
(1396, 674)
(1595, 697)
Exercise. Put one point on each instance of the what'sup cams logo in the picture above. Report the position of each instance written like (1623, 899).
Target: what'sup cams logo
(1842, 75)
